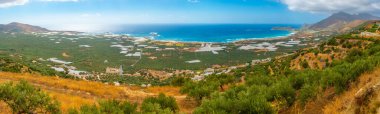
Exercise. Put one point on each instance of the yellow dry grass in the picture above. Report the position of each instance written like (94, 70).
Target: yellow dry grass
(70, 101)
(95, 88)
(74, 93)
(342, 104)
(168, 90)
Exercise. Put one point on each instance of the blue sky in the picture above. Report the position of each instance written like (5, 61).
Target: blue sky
(90, 14)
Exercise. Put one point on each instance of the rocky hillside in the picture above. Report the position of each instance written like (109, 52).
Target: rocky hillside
(19, 27)
(342, 21)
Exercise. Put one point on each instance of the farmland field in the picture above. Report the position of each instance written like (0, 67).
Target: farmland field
(100, 55)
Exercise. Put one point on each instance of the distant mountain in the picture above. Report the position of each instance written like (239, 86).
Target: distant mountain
(340, 20)
(19, 27)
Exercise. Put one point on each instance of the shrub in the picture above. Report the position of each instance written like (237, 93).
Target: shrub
(154, 108)
(282, 90)
(259, 80)
(89, 109)
(354, 55)
(24, 98)
(237, 101)
(117, 107)
(106, 107)
(297, 81)
(221, 79)
(179, 81)
(164, 102)
(199, 90)
(307, 92)
(305, 64)
(332, 42)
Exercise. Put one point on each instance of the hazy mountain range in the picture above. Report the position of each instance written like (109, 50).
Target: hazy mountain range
(19, 27)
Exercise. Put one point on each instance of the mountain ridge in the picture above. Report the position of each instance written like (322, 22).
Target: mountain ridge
(20, 27)
(338, 21)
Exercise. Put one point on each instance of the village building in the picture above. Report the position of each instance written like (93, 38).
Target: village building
(115, 71)
(369, 34)
(78, 74)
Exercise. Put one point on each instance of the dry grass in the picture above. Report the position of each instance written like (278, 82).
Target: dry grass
(4, 108)
(168, 90)
(74, 93)
(342, 104)
(96, 88)
(70, 101)
(313, 61)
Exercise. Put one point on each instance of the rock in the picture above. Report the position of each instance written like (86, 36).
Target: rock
(362, 95)
(116, 83)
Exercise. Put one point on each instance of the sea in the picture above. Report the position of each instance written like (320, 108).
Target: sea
(219, 33)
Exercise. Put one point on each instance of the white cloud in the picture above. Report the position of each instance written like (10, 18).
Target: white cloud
(352, 6)
(10, 3)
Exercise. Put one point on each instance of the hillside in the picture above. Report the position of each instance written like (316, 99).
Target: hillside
(19, 27)
(73, 93)
(342, 21)
(307, 82)
(362, 97)
(336, 76)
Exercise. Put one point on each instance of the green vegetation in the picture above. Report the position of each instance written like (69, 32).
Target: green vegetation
(19, 64)
(238, 100)
(33, 47)
(179, 81)
(137, 80)
(152, 105)
(107, 107)
(374, 28)
(272, 86)
(264, 88)
(160, 104)
(199, 90)
(24, 98)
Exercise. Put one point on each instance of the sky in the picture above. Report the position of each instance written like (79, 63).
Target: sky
(93, 15)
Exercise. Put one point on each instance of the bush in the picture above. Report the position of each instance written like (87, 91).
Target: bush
(179, 81)
(282, 90)
(332, 42)
(107, 107)
(237, 100)
(221, 79)
(354, 55)
(307, 92)
(24, 98)
(259, 80)
(297, 81)
(305, 64)
(164, 102)
(153, 108)
(199, 90)
(89, 109)
(117, 107)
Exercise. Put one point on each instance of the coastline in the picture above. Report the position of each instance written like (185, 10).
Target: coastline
(266, 38)
(233, 41)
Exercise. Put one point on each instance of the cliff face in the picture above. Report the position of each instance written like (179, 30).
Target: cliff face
(19, 27)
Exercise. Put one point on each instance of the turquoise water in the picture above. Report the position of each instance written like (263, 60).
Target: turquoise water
(206, 32)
